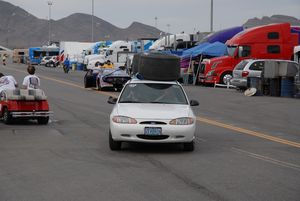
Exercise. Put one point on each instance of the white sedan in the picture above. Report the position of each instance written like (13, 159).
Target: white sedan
(152, 112)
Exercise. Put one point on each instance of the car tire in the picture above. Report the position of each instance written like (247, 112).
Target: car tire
(89, 81)
(43, 120)
(225, 76)
(114, 145)
(7, 118)
(159, 67)
(188, 146)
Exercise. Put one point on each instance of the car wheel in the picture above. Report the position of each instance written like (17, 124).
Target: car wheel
(43, 120)
(188, 146)
(114, 145)
(226, 77)
(46, 64)
(7, 118)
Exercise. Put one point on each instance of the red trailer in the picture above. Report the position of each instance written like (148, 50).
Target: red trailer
(24, 104)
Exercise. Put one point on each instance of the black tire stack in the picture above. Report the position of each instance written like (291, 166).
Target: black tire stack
(156, 66)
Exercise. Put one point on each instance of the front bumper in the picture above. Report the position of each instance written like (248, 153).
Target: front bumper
(31, 114)
(135, 133)
(238, 82)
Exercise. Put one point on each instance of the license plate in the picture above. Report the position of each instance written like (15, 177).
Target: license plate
(152, 131)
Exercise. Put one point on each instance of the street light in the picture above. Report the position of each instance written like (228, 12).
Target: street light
(155, 21)
(50, 3)
(168, 25)
(211, 15)
(92, 20)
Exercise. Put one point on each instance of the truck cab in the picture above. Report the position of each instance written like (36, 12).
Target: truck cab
(274, 41)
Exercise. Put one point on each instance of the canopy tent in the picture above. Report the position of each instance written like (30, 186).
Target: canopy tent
(215, 49)
(194, 51)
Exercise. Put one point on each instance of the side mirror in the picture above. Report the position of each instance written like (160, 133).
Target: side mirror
(194, 103)
(112, 100)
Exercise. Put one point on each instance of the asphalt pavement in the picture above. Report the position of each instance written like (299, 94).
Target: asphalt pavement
(247, 148)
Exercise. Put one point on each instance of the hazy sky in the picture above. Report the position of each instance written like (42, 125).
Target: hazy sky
(182, 15)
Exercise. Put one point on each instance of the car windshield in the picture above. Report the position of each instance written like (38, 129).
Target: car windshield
(241, 65)
(155, 93)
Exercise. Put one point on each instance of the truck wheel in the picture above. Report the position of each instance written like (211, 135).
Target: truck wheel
(188, 146)
(225, 77)
(114, 145)
(7, 118)
(43, 120)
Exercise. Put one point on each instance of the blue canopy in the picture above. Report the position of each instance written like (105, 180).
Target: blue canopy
(194, 51)
(215, 49)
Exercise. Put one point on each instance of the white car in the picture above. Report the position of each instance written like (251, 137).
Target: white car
(152, 112)
(45, 59)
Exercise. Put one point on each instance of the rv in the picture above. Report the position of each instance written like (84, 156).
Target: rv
(37, 53)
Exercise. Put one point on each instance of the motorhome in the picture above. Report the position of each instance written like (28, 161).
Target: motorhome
(274, 41)
(37, 53)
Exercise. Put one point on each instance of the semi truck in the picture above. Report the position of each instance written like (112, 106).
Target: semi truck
(273, 41)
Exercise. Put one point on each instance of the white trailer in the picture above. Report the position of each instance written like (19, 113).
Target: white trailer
(73, 50)
(169, 41)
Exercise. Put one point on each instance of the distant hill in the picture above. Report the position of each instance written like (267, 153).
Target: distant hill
(273, 19)
(19, 28)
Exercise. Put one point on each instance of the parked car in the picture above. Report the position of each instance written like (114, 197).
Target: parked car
(45, 60)
(152, 112)
(254, 68)
(101, 77)
(244, 69)
(52, 62)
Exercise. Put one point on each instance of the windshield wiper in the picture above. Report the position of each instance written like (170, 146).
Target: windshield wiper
(129, 101)
(160, 102)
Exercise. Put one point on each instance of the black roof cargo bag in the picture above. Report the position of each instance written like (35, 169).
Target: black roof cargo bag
(156, 66)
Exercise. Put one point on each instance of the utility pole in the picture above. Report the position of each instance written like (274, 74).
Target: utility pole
(168, 25)
(92, 20)
(50, 3)
(211, 15)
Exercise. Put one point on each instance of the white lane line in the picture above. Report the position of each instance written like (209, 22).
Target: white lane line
(267, 159)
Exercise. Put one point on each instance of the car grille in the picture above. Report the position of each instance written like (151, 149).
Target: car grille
(153, 137)
(153, 122)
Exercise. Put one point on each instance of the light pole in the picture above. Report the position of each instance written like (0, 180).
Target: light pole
(168, 25)
(92, 21)
(211, 15)
(50, 3)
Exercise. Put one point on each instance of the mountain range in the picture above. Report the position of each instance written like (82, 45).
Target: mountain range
(20, 29)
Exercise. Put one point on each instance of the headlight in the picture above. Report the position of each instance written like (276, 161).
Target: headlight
(124, 120)
(182, 121)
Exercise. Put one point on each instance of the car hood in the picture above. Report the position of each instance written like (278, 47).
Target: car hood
(153, 111)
